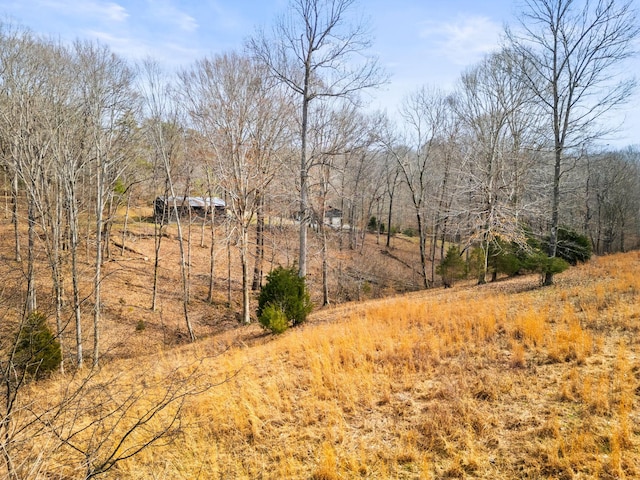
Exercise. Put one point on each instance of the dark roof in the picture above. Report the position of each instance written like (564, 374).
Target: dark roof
(332, 212)
(195, 201)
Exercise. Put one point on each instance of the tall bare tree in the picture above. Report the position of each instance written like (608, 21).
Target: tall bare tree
(12, 40)
(338, 134)
(25, 112)
(571, 52)
(163, 128)
(317, 54)
(494, 107)
(109, 102)
(243, 117)
(424, 115)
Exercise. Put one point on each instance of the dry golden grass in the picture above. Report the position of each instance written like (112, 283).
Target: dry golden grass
(508, 380)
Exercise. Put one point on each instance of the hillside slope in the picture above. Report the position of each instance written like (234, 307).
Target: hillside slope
(508, 380)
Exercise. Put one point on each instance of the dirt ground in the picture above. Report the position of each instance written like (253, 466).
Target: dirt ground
(129, 327)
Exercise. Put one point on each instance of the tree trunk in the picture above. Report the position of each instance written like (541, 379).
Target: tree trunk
(555, 209)
(391, 195)
(304, 177)
(227, 227)
(97, 288)
(188, 285)
(183, 270)
(157, 231)
(325, 266)
(244, 240)
(423, 247)
(106, 230)
(258, 267)
(75, 280)
(433, 246)
(378, 221)
(126, 222)
(14, 216)
(31, 303)
(56, 270)
(212, 254)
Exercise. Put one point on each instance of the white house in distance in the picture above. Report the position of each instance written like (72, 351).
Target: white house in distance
(333, 217)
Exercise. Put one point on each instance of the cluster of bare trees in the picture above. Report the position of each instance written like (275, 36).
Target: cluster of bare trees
(279, 131)
(512, 149)
(70, 130)
(68, 121)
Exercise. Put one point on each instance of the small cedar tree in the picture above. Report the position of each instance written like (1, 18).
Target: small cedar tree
(286, 291)
(37, 350)
(452, 267)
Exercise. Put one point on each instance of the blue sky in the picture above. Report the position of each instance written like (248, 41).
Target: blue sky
(419, 42)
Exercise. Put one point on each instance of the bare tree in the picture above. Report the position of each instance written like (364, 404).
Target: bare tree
(338, 133)
(97, 426)
(447, 162)
(164, 130)
(494, 107)
(12, 40)
(71, 157)
(392, 180)
(93, 421)
(611, 199)
(571, 52)
(109, 100)
(424, 114)
(242, 116)
(26, 106)
(211, 188)
(316, 54)
(50, 192)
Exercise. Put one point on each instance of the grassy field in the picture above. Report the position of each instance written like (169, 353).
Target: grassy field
(508, 380)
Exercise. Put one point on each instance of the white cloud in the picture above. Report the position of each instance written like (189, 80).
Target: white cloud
(115, 12)
(464, 40)
(125, 46)
(103, 10)
(186, 22)
(170, 54)
(167, 13)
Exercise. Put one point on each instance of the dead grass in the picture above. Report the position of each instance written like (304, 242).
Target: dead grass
(507, 380)
(471, 383)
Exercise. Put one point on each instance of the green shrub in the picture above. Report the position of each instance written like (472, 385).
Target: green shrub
(37, 351)
(573, 246)
(286, 291)
(274, 319)
(507, 262)
(375, 225)
(452, 267)
(541, 263)
(505, 257)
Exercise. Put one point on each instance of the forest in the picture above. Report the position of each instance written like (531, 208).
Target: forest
(505, 174)
(508, 161)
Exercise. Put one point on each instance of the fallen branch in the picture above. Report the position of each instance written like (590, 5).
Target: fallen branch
(129, 249)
